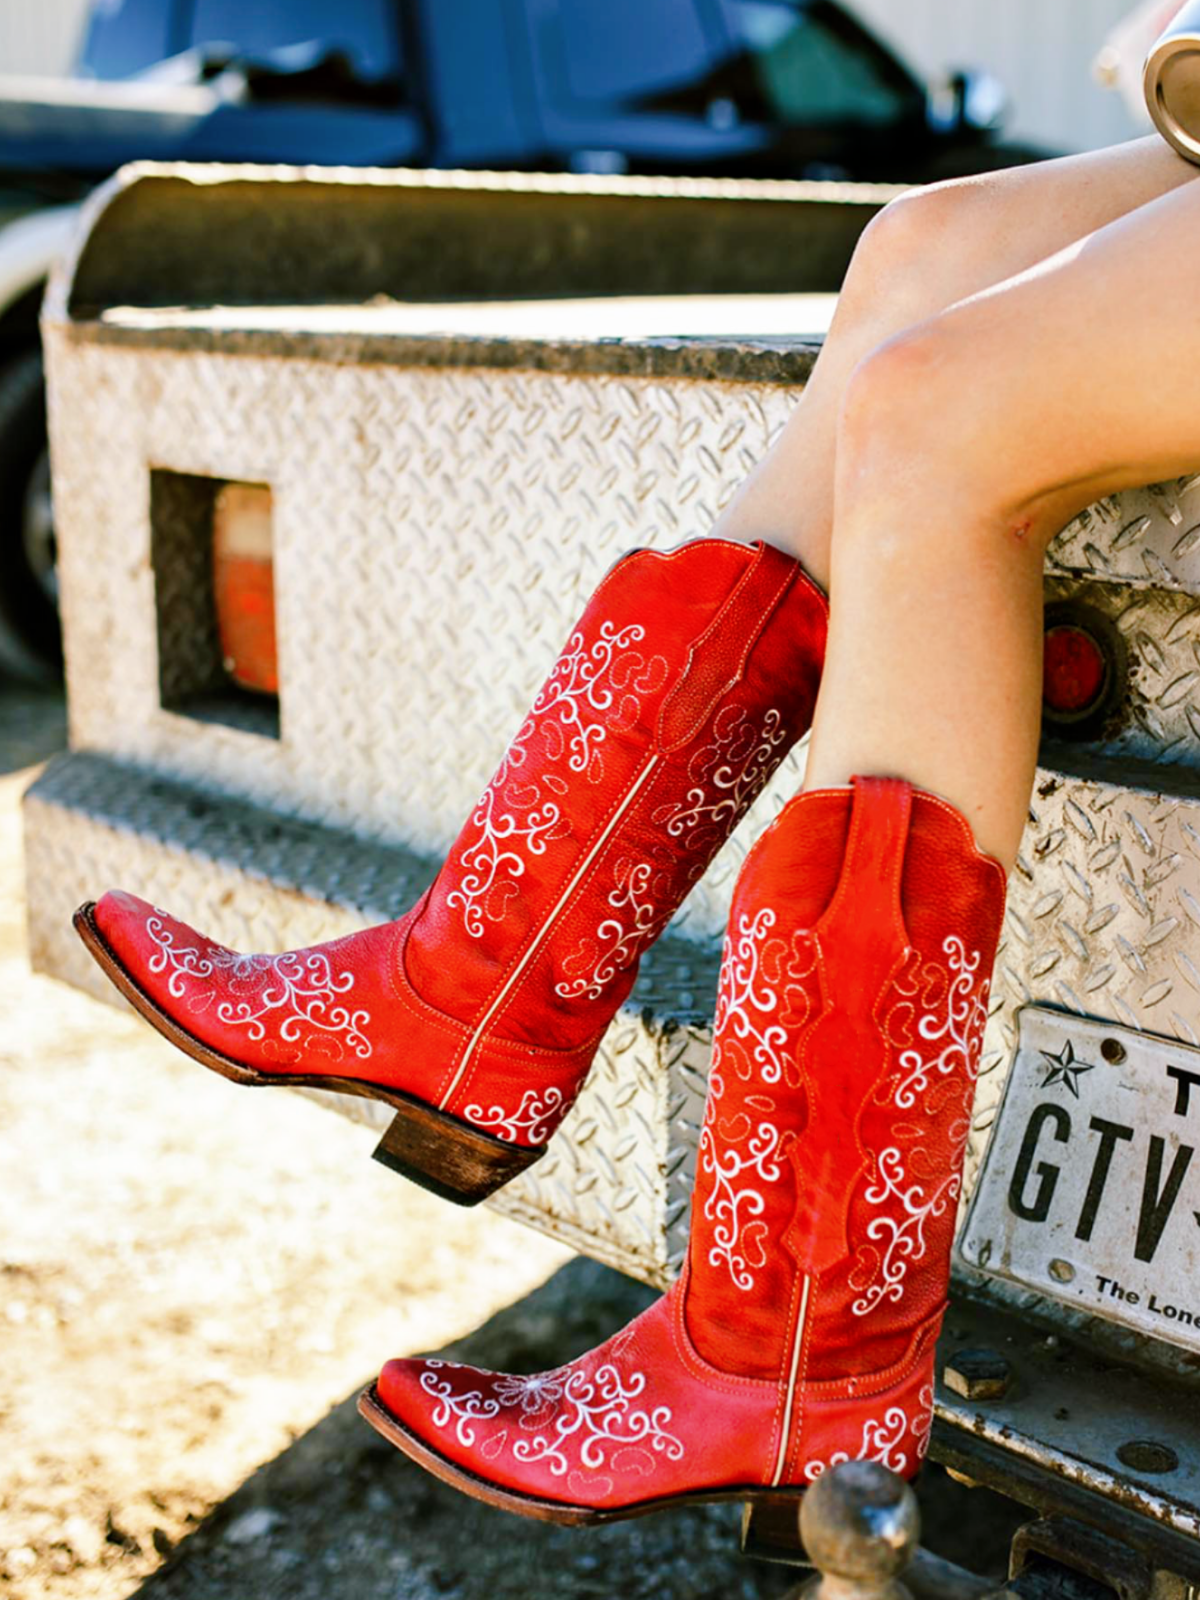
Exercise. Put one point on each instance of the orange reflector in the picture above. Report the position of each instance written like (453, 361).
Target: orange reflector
(244, 585)
(1074, 670)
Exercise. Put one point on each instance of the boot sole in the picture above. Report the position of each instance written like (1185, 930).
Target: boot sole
(770, 1526)
(432, 1148)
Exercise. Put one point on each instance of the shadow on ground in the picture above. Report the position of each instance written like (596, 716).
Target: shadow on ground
(341, 1512)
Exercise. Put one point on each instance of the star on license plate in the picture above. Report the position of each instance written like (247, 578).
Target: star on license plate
(1090, 1190)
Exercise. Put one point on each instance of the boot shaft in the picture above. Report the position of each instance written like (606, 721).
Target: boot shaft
(686, 681)
(849, 1024)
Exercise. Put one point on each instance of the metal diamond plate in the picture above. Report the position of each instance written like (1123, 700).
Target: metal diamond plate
(1103, 917)
(1158, 718)
(1149, 537)
(436, 535)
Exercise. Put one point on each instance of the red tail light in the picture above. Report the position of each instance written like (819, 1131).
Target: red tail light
(1085, 671)
(1075, 670)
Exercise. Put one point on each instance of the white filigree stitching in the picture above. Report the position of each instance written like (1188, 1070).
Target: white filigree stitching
(883, 1436)
(563, 1414)
(905, 1237)
(727, 774)
(536, 1116)
(462, 1409)
(298, 992)
(597, 1414)
(960, 1029)
(594, 690)
(621, 941)
(957, 1025)
(732, 1204)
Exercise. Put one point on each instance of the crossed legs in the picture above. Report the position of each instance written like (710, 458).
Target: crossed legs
(1006, 350)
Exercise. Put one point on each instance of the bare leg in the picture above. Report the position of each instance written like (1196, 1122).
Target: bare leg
(963, 445)
(924, 252)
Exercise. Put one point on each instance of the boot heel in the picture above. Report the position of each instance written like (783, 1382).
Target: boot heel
(450, 1158)
(771, 1529)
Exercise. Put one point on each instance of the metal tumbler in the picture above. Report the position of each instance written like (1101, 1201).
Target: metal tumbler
(1172, 82)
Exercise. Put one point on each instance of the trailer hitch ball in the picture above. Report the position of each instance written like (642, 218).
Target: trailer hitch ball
(860, 1525)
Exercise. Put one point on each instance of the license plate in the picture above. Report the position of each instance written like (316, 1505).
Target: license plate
(1090, 1191)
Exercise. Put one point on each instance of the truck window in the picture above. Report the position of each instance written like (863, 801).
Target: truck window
(367, 31)
(626, 49)
(811, 63)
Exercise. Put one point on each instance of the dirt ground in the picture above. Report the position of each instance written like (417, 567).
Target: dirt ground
(194, 1285)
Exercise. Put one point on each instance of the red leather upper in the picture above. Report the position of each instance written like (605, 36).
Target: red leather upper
(685, 682)
(645, 1417)
(849, 1022)
(850, 1019)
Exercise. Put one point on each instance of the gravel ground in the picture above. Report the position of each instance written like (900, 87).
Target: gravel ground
(194, 1284)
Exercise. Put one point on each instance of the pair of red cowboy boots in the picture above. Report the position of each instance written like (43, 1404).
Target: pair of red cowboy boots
(849, 1023)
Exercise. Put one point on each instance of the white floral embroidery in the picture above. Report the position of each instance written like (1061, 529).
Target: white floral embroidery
(536, 1116)
(494, 861)
(532, 1394)
(905, 1236)
(744, 1004)
(727, 774)
(568, 1419)
(181, 964)
(883, 1437)
(957, 1025)
(619, 940)
(923, 1421)
(298, 994)
(462, 1409)
(595, 689)
(597, 1416)
(959, 1029)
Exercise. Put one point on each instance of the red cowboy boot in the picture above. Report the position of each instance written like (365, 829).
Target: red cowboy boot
(849, 1022)
(476, 1016)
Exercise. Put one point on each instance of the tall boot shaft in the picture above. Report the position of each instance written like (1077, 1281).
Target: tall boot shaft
(686, 681)
(849, 1023)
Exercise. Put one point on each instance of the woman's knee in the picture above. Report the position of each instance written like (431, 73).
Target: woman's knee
(922, 251)
(917, 428)
(904, 395)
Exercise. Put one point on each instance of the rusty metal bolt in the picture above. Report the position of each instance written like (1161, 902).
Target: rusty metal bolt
(978, 1374)
(860, 1525)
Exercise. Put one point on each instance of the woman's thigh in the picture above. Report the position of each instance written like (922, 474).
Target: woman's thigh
(935, 245)
(1075, 377)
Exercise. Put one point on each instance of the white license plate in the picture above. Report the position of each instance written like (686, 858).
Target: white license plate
(1090, 1191)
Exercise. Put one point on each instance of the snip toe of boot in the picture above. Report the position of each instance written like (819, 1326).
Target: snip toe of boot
(439, 1413)
(137, 933)
(398, 1387)
(117, 915)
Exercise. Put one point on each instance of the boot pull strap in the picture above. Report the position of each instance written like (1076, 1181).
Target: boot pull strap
(867, 897)
(717, 659)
